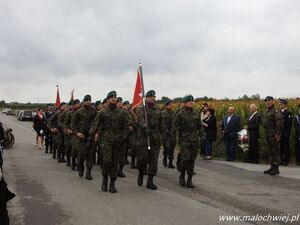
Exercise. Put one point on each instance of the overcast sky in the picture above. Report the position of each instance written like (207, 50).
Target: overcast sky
(212, 48)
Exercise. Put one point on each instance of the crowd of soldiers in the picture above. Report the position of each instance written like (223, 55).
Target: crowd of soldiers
(82, 134)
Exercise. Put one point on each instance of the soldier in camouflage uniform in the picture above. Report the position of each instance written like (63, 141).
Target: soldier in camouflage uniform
(61, 121)
(178, 161)
(168, 137)
(73, 138)
(152, 130)
(97, 156)
(57, 133)
(111, 124)
(188, 123)
(81, 124)
(273, 126)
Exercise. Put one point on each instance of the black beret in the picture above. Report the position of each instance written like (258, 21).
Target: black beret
(119, 99)
(150, 93)
(111, 94)
(268, 98)
(126, 103)
(188, 98)
(76, 101)
(87, 98)
(71, 102)
(168, 102)
(283, 101)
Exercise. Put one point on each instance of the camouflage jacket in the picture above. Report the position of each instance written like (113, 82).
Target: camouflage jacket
(273, 122)
(110, 124)
(189, 126)
(53, 120)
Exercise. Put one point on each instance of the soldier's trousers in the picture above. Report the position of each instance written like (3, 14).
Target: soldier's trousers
(111, 152)
(74, 152)
(86, 153)
(274, 151)
(148, 158)
(284, 150)
(68, 145)
(188, 153)
(133, 144)
(168, 151)
(48, 141)
(124, 152)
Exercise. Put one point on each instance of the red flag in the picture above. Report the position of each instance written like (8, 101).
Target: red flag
(72, 95)
(138, 91)
(57, 103)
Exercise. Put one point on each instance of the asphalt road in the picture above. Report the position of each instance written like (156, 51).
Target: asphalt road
(49, 193)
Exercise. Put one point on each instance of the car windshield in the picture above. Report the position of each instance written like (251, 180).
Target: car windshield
(27, 113)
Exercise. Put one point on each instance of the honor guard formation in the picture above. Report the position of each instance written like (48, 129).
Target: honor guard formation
(82, 135)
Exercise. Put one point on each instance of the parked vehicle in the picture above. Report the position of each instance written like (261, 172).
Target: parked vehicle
(8, 111)
(25, 116)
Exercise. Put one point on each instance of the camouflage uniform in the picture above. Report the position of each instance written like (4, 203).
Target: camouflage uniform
(273, 125)
(178, 160)
(56, 136)
(146, 157)
(189, 126)
(133, 139)
(68, 137)
(111, 124)
(168, 138)
(81, 123)
(61, 119)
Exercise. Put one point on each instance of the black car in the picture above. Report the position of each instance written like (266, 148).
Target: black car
(25, 116)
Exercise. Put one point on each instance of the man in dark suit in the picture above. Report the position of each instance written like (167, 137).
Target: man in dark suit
(231, 124)
(253, 125)
(286, 132)
(297, 136)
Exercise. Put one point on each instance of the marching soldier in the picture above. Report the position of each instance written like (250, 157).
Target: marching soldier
(189, 125)
(111, 124)
(286, 132)
(56, 131)
(153, 131)
(168, 137)
(80, 124)
(68, 133)
(273, 127)
(48, 135)
(178, 159)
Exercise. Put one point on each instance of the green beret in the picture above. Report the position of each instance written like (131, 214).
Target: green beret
(150, 93)
(188, 98)
(63, 103)
(76, 101)
(104, 101)
(168, 102)
(268, 98)
(97, 103)
(87, 98)
(119, 99)
(126, 103)
(111, 94)
(71, 102)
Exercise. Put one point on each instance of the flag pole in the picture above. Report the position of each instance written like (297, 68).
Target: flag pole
(143, 103)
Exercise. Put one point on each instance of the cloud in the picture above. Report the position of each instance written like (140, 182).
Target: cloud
(214, 48)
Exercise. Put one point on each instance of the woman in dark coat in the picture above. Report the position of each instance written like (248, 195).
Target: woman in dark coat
(210, 127)
(39, 125)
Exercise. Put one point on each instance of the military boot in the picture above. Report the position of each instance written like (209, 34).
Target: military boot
(104, 183)
(46, 150)
(274, 170)
(140, 178)
(68, 163)
(73, 165)
(112, 187)
(88, 175)
(63, 158)
(80, 171)
(171, 164)
(189, 182)
(182, 178)
(54, 154)
(120, 172)
(165, 162)
(268, 171)
(150, 184)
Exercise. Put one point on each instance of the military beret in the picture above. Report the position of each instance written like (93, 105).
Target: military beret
(71, 102)
(111, 94)
(63, 103)
(126, 103)
(168, 102)
(188, 98)
(97, 103)
(283, 101)
(268, 98)
(150, 93)
(87, 98)
(104, 101)
(76, 101)
(119, 99)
